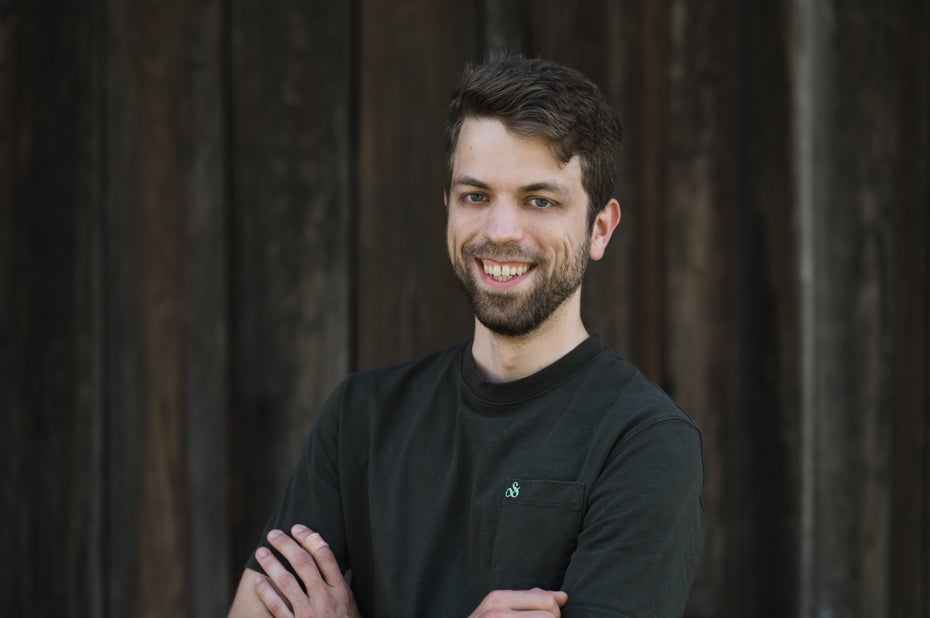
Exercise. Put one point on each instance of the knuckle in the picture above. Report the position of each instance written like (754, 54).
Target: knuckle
(301, 560)
(324, 554)
(274, 604)
(286, 581)
(328, 605)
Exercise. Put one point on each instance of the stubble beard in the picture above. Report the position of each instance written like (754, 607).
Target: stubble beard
(518, 313)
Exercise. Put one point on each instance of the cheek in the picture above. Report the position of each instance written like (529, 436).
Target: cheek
(458, 231)
(453, 242)
(565, 245)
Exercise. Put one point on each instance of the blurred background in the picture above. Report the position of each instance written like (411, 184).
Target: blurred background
(212, 210)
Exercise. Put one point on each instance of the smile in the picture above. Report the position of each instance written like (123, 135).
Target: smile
(504, 271)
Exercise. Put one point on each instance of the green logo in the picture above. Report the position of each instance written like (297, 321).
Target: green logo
(513, 491)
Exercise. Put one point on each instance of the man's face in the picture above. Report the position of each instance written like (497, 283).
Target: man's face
(517, 226)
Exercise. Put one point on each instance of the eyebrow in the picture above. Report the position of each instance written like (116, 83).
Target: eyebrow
(550, 186)
(469, 181)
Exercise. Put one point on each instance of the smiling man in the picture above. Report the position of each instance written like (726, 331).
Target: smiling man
(530, 471)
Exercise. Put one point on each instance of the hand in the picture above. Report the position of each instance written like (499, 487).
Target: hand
(522, 603)
(327, 596)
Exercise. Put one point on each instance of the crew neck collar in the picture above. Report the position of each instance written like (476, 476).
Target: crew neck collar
(547, 378)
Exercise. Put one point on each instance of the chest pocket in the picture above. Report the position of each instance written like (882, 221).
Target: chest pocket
(537, 531)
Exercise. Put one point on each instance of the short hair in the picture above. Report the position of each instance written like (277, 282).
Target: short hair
(541, 99)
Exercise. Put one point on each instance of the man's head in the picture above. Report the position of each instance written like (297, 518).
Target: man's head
(543, 100)
(531, 158)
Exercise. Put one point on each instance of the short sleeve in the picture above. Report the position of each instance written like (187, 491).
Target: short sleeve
(312, 495)
(643, 530)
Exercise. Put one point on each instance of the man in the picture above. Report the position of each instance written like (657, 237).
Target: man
(530, 471)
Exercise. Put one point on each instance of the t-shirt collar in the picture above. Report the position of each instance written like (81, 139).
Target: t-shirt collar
(546, 379)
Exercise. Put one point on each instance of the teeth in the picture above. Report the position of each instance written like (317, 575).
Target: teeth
(505, 272)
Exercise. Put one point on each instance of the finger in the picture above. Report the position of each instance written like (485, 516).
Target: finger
(268, 594)
(298, 558)
(525, 600)
(543, 599)
(325, 559)
(284, 580)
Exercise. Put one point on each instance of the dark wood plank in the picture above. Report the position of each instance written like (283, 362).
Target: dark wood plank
(411, 55)
(50, 327)
(203, 284)
(709, 358)
(167, 304)
(771, 291)
(868, 345)
(291, 173)
(910, 317)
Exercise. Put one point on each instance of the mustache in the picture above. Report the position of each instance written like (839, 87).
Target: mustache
(503, 253)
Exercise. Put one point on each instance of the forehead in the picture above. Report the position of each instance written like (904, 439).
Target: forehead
(488, 150)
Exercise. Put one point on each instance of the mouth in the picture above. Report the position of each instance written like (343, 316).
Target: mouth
(504, 271)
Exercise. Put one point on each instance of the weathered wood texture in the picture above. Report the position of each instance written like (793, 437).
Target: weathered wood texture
(866, 303)
(53, 521)
(292, 206)
(410, 55)
(211, 211)
(167, 380)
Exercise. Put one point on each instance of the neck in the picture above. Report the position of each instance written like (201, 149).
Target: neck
(503, 359)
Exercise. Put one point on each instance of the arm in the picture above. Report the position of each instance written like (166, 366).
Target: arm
(643, 529)
(256, 594)
(325, 593)
(247, 604)
(522, 603)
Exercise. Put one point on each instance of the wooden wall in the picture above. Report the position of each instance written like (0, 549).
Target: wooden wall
(211, 210)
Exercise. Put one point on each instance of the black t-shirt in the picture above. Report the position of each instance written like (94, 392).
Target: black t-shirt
(435, 487)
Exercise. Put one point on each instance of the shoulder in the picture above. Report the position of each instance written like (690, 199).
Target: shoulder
(401, 375)
(634, 395)
(374, 391)
(637, 404)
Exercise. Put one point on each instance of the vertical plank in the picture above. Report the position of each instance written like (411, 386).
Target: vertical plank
(645, 162)
(11, 398)
(909, 319)
(867, 216)
(205, 368)
(50, 360)
(709, 364)
(166, 306)
(412, 53)
(291, 131)
(770, 295)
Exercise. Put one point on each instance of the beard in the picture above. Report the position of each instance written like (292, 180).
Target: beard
(515, 313)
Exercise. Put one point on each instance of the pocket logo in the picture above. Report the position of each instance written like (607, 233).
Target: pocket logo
(513, 491)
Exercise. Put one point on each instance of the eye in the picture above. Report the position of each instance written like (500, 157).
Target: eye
(474, 198)
(540, 202)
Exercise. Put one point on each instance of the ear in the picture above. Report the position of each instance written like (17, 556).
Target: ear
(445, 198)
(604, 225)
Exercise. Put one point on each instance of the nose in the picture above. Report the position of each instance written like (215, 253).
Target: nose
(502, 224)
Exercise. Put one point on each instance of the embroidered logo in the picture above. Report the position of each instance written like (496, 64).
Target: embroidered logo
(513, 491)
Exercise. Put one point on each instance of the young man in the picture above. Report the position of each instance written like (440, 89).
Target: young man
(530, 471)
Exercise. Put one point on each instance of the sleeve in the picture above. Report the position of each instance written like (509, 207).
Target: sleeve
(312, 496)
(643, 530)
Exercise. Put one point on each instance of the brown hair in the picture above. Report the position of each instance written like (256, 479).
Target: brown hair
(541, 99)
